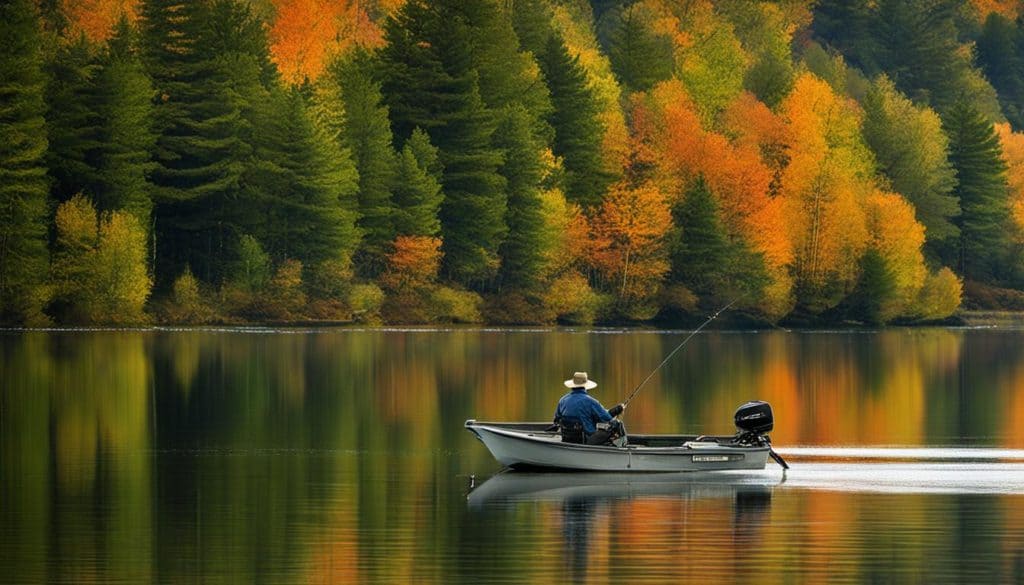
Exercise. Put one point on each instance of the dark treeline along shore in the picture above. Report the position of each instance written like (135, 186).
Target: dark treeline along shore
(535, 161)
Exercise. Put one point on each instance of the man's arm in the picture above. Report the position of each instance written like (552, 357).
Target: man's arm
(599, 411)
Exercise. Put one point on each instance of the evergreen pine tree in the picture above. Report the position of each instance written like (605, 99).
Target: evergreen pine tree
(975, 153)
(919, 49)
(639, 57)
(847, 26)
(531, 20)
(524, 250)
(23, 183)
(417, 188)
(507, 75)
(702, 250)
(73, 125)
(366, 132)
(473, 211)
(430, 82)
(869, 302)
(426, 154)
(207, 80)
(306, 185)
(999, 56)
(706, 259)
(578, 130)
(124, 101)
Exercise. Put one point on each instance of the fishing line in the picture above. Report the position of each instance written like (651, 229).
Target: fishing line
(678, 347)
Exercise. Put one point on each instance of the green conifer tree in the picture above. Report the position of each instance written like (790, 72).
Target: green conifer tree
(975, 153)
(578, 130)
(430, 82)
(871, 298)
(703, 248)
(124, 101)
(417, 188)
(639, 57)
(847, 26)
(706, 259)
(207, 80)
(73, 124)
(23, 186)
(366, 132)
(531, 20)
(306, 185)
(999, 56)
(524, 250)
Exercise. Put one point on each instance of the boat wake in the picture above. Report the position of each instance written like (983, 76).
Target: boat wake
(956, 471)
(949, 454)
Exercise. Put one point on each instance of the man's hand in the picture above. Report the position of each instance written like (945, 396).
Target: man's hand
(617, 410)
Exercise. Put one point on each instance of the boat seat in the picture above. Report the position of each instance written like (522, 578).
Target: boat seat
(572, 432)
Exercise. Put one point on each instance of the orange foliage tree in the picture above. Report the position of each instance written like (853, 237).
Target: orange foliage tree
(413, 263)
(306, 34)
(96, 18)
(629, 243)
(669, 136)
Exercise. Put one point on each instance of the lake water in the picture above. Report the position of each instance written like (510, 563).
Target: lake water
(338, 456)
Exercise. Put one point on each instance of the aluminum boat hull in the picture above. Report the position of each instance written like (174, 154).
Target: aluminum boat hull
(530, 445)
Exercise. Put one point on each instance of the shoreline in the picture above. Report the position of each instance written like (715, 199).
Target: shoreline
(969, 318)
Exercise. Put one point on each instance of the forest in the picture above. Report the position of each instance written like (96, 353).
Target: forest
(509, 162)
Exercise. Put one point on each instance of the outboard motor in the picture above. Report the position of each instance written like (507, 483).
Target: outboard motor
(754, 420)
(754, 417)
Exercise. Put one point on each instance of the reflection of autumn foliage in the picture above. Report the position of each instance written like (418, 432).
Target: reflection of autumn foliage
(629, 248)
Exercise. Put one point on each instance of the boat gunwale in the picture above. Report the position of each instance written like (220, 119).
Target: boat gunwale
(529, 435)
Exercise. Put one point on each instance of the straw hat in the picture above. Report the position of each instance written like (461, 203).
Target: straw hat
(580, 379)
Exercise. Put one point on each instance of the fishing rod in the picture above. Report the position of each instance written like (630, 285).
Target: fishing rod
(673, 352)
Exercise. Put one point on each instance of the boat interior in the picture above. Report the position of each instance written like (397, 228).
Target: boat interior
(545, 430)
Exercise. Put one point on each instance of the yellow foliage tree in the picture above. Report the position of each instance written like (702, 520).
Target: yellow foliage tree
(710, 60)
(99, 267)
(824, 186)
(898, 237)
(629, 244)
(940, 296)
(1013, 154)
(574, 22)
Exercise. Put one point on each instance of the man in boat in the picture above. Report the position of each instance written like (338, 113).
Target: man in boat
(579, 414)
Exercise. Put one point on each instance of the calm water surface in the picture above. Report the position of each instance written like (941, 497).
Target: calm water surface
(338, 456)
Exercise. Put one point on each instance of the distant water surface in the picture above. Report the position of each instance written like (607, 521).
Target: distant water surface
(338, 456)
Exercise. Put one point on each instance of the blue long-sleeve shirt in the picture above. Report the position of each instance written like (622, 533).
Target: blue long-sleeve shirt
(577, 405)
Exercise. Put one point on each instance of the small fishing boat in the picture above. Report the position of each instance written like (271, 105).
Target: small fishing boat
(539, 445)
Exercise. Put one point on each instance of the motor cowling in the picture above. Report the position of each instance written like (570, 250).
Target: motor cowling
(754, 417)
